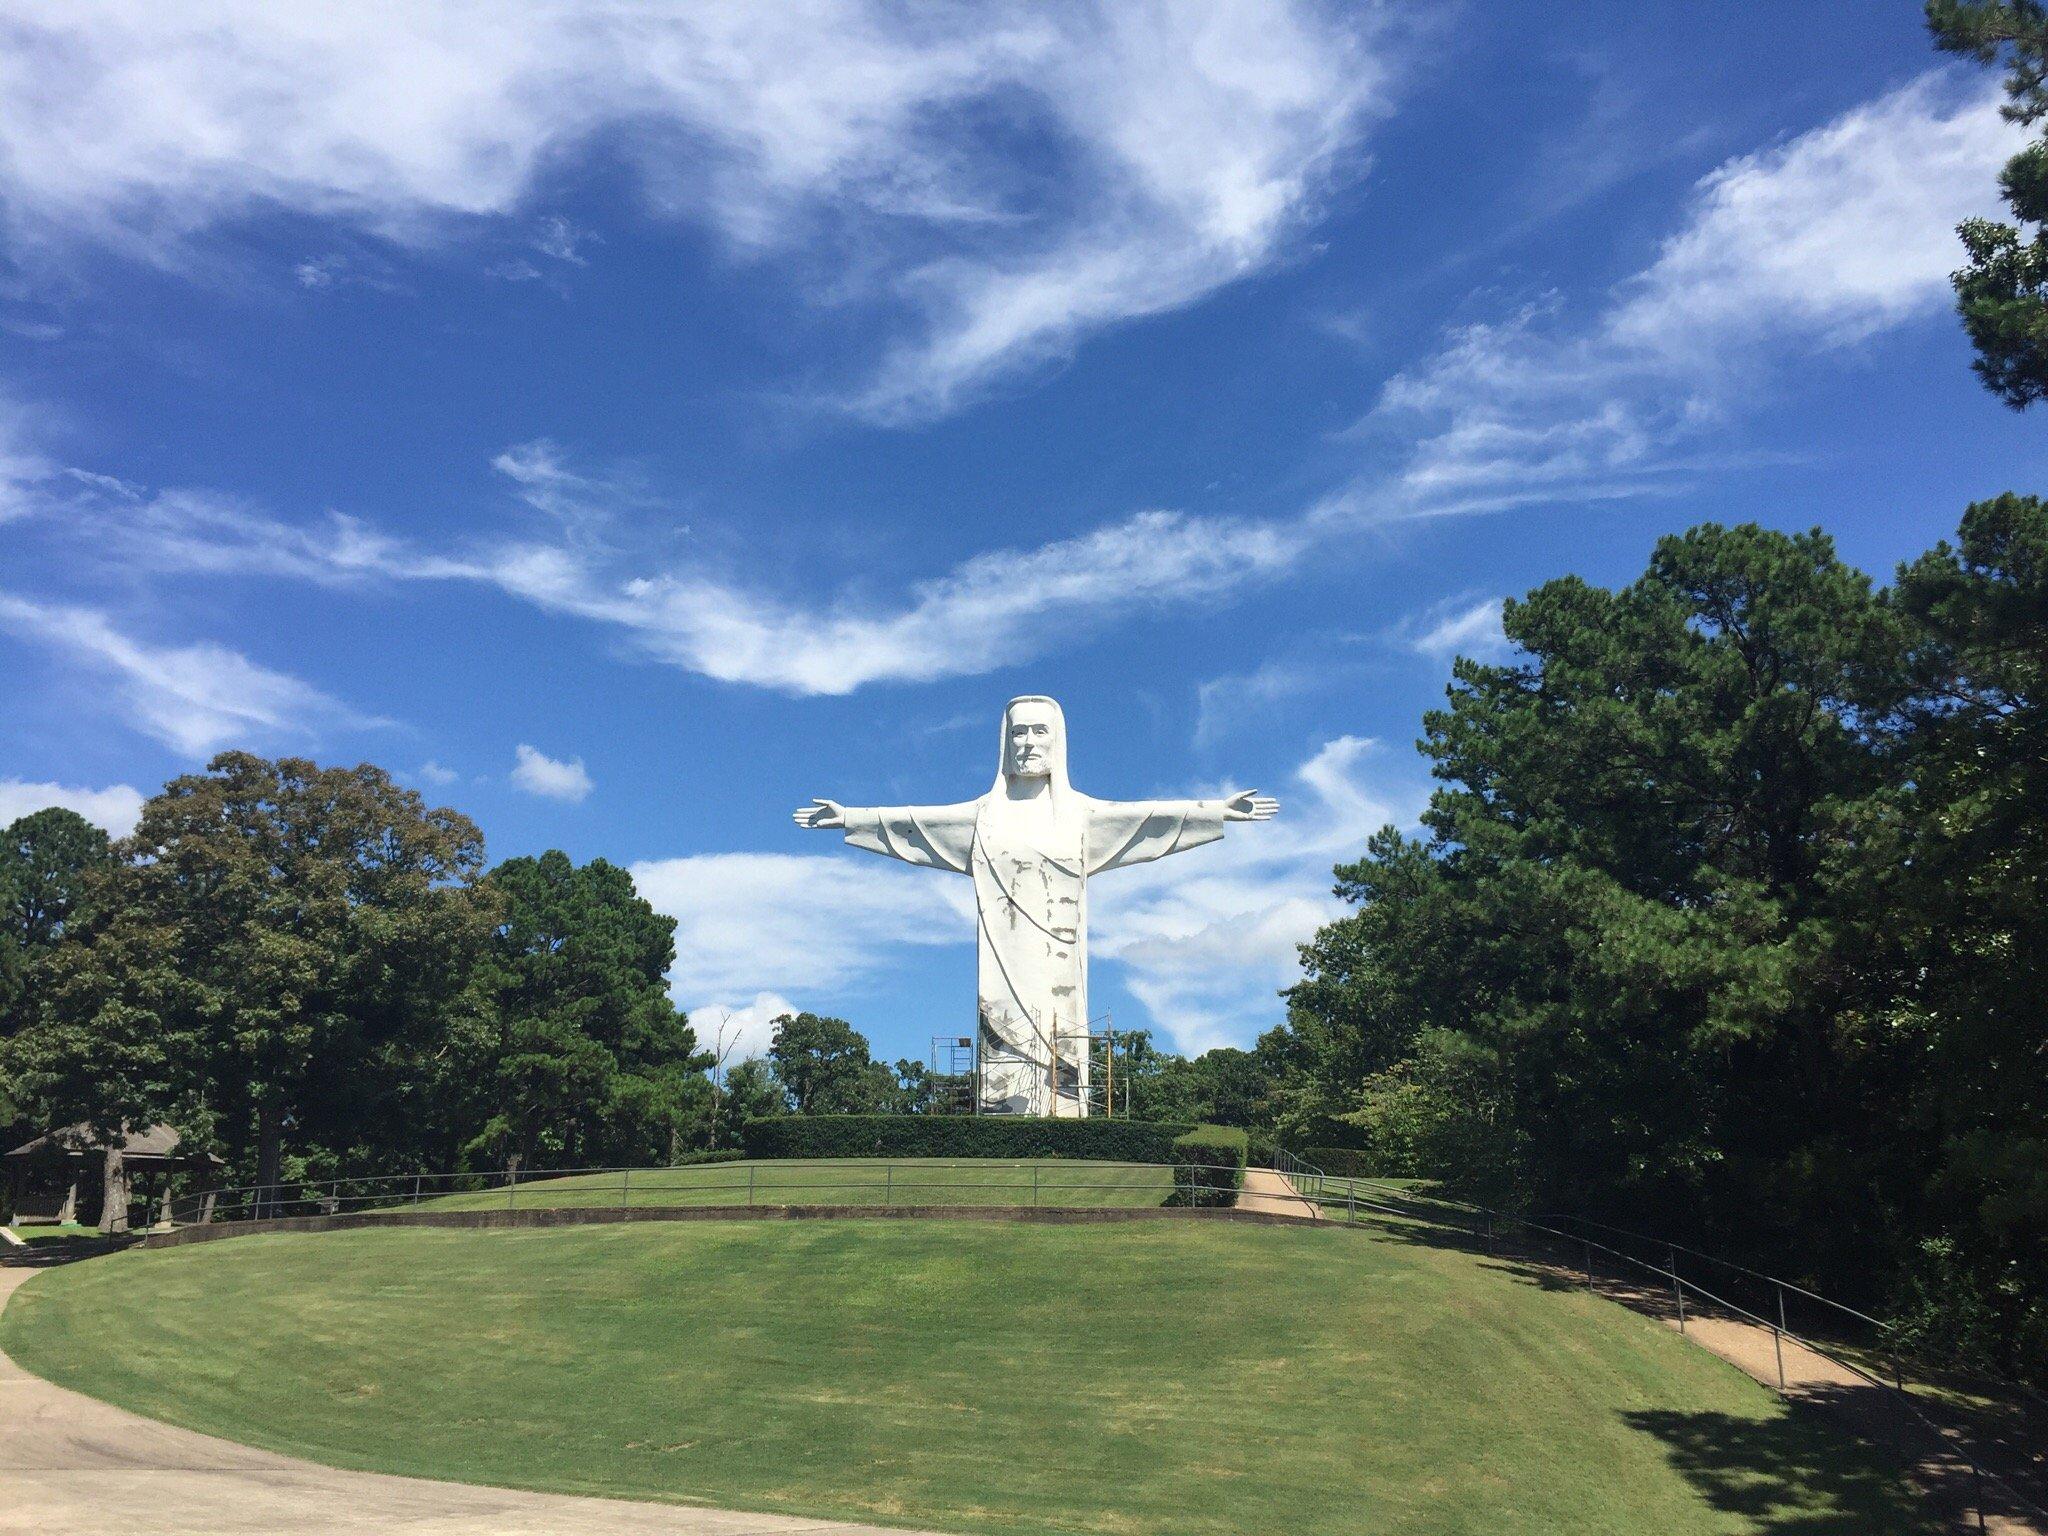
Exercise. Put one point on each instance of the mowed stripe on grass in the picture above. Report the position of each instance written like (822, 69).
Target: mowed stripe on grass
(1148, 1378)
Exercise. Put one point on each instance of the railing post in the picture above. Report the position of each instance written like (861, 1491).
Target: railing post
(1677, 1290)
(750, 1184)
(1351, 1198)
(626, 1190)
(416, 1188)
(1034, 1186)
(888, 1183)
(1587, 1243)
(1778, 1338)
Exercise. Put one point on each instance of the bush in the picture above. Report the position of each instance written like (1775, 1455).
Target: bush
(1438, 1115)
(716, 1155)
(1343, 1162)
(1111, 1141)
(1208, 1165)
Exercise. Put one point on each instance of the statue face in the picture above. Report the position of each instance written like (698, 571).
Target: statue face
(1028, 744)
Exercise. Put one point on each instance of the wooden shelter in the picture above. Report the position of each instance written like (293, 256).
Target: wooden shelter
(46, 1176)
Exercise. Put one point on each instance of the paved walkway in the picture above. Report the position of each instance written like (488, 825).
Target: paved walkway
(72, 1463)
(1265, 1190)
(1929, 1453)
(1807, 1376)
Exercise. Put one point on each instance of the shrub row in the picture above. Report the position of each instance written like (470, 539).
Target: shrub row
(1208, 1165)
(718, 1155)
(1112, 1141)
(1341, 1162)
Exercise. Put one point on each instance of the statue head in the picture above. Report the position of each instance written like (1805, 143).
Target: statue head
(1035, 740)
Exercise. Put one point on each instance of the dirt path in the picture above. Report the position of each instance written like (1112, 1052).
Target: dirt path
(72, 1463)
(1264, 1190)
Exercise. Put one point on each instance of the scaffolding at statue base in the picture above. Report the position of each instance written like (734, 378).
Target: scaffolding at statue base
(1092, 1077)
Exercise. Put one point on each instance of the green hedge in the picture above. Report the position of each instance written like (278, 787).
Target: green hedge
(1208, 1165)
(1341, 1162)
(1109, 1141)
(719, 1155)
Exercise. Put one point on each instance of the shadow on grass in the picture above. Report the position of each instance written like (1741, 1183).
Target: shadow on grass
(1784, 1477)
(1530, 1263)
(1731, 1459)
(48, 1252)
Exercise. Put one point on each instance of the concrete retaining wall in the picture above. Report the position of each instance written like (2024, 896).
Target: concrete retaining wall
(578, 1216)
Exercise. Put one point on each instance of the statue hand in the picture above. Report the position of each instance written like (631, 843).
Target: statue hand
(1250, 805)
(820, 813)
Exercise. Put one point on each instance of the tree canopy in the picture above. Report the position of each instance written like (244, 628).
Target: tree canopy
(306, 970)
(1727, 918)
(48, 860)
(2002, 293)
(825, 1068)
(586, 1056)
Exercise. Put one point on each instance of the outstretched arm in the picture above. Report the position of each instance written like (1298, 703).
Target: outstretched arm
(1124, 832)
(937, 836)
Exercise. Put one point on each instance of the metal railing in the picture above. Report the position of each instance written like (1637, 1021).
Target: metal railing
(1306, 1177)
(1576, 1253)
(1034, 1183)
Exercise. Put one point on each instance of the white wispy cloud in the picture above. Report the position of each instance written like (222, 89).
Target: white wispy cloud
(1208, 131)
(1813, 244)
(1187, 141)
(1809, 246)
(997, 607)
(1223, 704)
(550, 777)
(194, 698)
(116, 808)
(22, 469)
(1457, 626)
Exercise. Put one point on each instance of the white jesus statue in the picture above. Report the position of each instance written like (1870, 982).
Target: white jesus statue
(1030, 845)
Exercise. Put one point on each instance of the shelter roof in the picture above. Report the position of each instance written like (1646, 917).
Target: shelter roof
(158, 1141)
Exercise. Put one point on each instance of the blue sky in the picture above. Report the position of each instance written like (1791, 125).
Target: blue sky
(625, 422)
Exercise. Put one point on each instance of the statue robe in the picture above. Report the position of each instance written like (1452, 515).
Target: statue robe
(1031, 914)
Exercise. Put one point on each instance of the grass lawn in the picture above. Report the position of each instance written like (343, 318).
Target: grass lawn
(1179, 1379)
(839, 1181)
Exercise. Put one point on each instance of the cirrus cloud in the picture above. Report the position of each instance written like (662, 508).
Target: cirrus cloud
(1182, 142)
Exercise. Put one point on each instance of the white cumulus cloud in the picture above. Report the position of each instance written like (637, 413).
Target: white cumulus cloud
(797, 925)
(744, 1029)
(1205, 940)
(115, 808)
(550, 777)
